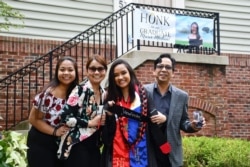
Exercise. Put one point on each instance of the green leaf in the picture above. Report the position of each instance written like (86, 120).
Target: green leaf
(13, 149)
(8, 14)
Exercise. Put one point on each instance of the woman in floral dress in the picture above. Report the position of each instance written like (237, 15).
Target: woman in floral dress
(80, 146)
(44, 115)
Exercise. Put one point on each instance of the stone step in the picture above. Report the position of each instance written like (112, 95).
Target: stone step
(24, 132)
(24, 125)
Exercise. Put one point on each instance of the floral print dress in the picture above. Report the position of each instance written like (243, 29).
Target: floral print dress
(39, 143)
(50, 105)
(82, 107)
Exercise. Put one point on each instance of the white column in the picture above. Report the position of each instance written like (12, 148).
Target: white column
(178, 3)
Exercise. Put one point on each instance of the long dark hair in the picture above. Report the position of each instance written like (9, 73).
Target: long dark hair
(114, 92)
(55, 81)
(197, 31)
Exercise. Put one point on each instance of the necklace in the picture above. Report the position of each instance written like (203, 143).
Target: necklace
(142, 125)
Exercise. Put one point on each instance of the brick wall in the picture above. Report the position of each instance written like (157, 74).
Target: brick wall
(18, 52)
(221, 92)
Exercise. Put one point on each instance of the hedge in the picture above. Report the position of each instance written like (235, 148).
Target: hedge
(215, 152)
(198, 151)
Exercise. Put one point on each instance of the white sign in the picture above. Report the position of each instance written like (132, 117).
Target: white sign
(154, 26)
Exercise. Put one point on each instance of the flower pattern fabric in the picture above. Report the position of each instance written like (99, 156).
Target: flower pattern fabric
(50, 105)
(82, 106)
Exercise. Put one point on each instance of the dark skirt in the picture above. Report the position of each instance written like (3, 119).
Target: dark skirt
(42, 149)
(85, 153)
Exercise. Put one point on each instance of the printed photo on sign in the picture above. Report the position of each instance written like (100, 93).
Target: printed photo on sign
(194, 31)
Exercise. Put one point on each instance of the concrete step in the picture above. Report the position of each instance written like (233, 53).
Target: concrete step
(24, 132)
(24, 125)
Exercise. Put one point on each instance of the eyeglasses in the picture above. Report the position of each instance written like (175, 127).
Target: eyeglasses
(99, 69)
(161, 66)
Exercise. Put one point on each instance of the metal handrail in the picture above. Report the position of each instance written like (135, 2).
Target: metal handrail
(109, 38)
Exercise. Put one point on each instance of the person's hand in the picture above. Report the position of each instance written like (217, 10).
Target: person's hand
(109, 104)
(103, 119)
(88, 110)
(95, 121)
(203, 122)
(62, 130)
(194, 124)
(158, 118)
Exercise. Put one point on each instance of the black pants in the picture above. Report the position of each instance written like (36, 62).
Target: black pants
(42, 150)
(163, 160)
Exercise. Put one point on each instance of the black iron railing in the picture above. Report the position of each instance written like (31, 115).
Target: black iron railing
(108, 37)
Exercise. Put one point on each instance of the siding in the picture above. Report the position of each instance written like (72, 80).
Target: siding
(155, 2)
(63, 19)
(58, 19)
(234, 22)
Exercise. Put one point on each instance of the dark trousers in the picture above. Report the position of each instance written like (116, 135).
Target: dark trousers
(162, 159)
(42, 150)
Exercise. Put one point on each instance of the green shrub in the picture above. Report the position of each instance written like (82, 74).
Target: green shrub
(13, 149)
(198, 151)
(216, 152)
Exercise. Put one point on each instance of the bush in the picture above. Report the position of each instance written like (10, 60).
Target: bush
(13, 149)
(216, 152)
(198, 151)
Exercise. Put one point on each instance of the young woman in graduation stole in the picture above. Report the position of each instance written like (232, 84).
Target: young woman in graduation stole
(126, 140)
